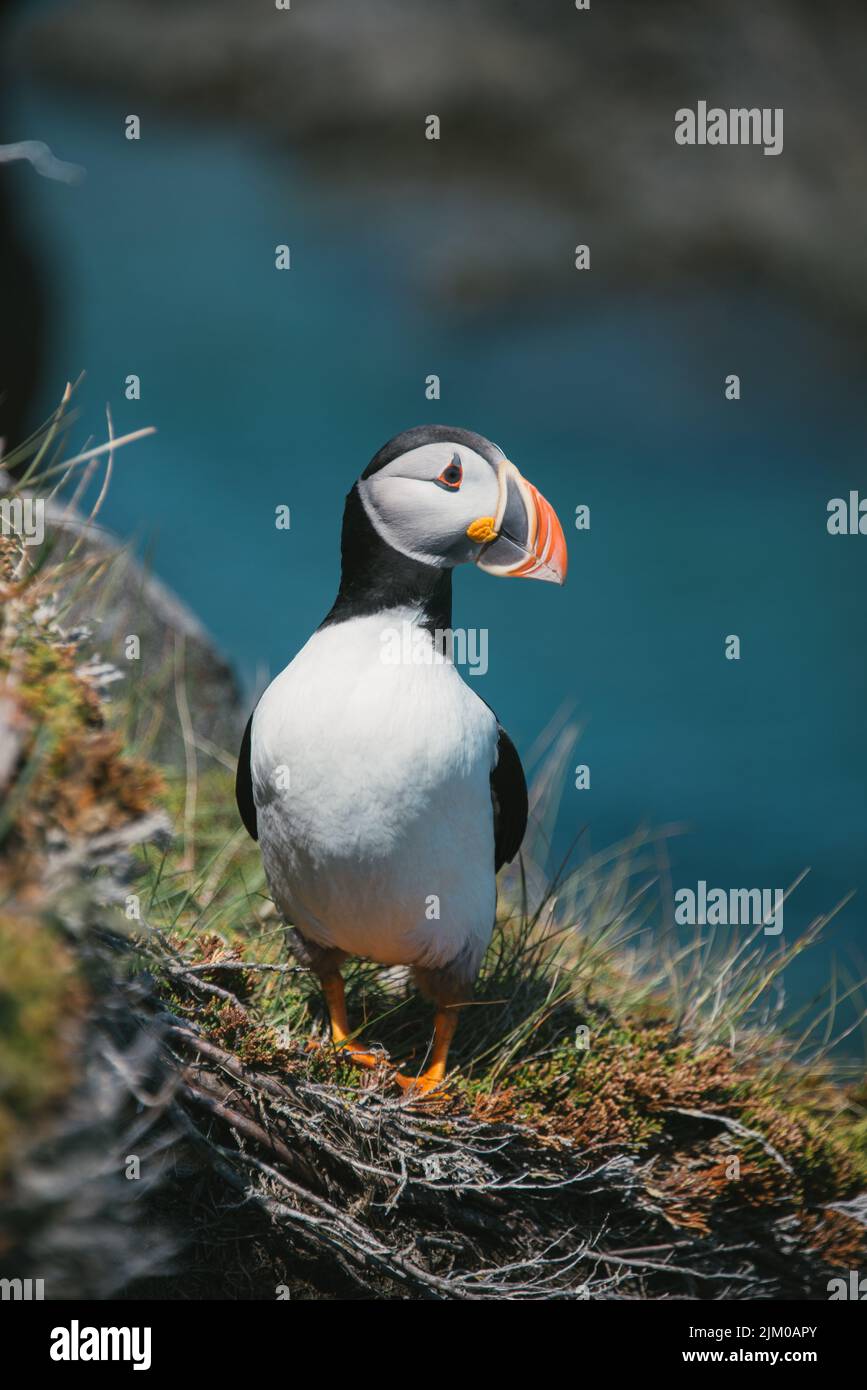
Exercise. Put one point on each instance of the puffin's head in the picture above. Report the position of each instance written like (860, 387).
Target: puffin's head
(445, 496)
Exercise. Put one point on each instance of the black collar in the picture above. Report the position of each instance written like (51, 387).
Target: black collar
(374, 577)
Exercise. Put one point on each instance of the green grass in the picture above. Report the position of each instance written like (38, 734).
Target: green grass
(648, 1050)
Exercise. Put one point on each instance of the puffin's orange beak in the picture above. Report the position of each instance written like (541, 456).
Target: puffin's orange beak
(525, 539)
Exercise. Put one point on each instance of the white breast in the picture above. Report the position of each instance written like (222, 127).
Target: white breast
(372, 787)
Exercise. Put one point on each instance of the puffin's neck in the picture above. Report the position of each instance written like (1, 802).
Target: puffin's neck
(375, 578)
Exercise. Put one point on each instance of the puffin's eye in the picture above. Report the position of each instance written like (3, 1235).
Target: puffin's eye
(452, 475)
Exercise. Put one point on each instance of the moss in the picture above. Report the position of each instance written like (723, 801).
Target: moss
(255, 1044)
(836, 1237)
(72, 780)
(42, 1001)
(628, 1093)
(82, 782)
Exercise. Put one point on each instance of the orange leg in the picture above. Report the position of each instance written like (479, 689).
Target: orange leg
(335, 998)
(445, 1023)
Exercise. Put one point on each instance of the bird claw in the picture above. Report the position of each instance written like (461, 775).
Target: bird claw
(348, 1052)
(361, 1058)
(422, 1088)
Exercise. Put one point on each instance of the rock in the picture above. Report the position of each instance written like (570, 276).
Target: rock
(133, 602)
(558, 127)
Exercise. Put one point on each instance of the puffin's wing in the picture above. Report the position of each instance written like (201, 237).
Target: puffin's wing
(244, 784)
(509, 795)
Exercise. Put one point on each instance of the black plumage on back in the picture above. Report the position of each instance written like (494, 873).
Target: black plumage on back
(509, 795)
(244, 785)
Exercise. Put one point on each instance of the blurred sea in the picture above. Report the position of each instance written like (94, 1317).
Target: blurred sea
(708, 517)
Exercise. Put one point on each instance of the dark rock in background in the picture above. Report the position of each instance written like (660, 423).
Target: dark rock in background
(23, 310)
(558, 126)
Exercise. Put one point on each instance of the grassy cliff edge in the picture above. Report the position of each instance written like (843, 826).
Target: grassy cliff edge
(625, 1120)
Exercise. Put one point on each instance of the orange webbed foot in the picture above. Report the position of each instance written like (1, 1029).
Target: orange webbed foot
(344, 1043)
(428, 1086)
(360, 1057)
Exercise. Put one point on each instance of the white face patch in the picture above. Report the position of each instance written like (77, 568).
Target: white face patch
(424, 518)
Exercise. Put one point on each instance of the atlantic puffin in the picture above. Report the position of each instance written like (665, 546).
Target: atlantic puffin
(384, 793)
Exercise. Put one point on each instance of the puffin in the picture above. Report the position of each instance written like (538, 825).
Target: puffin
(383, 791)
